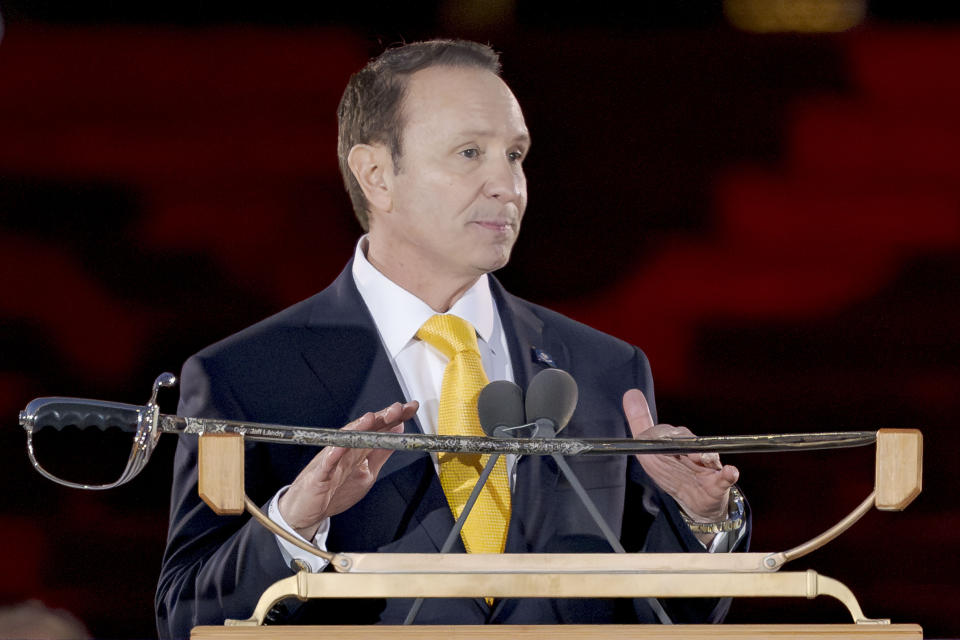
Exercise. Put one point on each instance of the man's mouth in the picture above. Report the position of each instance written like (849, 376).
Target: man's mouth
(495, 225)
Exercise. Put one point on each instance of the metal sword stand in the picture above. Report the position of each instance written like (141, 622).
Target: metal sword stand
(898, 471)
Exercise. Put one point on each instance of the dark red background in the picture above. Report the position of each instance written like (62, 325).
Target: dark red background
(775, 220)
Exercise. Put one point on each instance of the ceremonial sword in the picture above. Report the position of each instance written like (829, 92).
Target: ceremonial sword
(148, 423)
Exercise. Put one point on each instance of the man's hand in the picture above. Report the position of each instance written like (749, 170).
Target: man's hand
(337, 478)
(698, 482)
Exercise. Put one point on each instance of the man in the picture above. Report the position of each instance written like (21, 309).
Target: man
(431, 147)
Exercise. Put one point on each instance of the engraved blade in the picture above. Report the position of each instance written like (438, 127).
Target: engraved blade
(518, 446)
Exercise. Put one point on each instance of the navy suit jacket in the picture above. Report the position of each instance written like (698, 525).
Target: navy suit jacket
(321, 363)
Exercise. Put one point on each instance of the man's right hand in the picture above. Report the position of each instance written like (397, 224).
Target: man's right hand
(337, 478)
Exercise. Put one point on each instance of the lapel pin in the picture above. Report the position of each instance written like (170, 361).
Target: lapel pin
(542, 357)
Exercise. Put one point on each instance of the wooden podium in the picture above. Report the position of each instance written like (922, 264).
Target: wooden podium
(897, 483)
(569, 632)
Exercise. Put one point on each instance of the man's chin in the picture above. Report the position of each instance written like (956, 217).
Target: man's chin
(495, 262)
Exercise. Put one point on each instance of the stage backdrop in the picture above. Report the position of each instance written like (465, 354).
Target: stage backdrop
(775, 220)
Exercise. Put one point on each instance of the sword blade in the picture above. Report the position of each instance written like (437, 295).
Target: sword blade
(321, 437)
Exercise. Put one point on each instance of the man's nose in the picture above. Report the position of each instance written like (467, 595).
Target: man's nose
(504, 181)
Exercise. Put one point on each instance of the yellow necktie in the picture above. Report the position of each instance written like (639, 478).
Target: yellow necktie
(485, 530)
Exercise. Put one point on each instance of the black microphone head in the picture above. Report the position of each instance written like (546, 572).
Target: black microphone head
(552, 394)
(500, 405)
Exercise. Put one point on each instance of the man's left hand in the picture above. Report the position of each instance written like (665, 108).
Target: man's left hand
(697, 481)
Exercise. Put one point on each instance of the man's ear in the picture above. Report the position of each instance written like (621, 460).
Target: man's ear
(372, 166)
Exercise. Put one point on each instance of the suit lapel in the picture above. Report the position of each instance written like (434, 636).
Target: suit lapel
(345, 352)
(531, 351)
(347, 356)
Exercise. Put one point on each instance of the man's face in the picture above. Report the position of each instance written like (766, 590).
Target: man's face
(460, 192)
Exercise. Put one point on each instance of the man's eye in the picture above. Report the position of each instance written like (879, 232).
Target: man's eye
(470, 154)
(515, 156)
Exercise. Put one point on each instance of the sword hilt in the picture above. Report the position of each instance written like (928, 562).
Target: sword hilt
(60, 413)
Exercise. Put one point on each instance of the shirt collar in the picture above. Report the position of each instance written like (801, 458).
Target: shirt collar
(398, 314)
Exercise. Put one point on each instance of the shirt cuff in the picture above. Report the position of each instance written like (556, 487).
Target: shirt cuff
(719, 543)
(292, 552)
(727, 541)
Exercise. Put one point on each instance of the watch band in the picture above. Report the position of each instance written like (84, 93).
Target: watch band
(733, 521)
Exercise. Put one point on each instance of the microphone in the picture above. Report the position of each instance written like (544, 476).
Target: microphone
(552, 397)
(500, 407)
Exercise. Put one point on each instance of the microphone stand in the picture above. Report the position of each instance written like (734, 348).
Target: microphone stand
(458, 525)
(546, 429)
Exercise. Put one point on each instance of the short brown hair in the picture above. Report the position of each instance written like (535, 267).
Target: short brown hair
(370, 110)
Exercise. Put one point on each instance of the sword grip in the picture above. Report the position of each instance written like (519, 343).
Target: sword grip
(59, 413)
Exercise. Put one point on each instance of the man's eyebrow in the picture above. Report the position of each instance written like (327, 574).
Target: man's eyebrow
(523, 138)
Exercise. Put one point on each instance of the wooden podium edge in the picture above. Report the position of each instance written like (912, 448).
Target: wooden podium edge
(568, 632)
